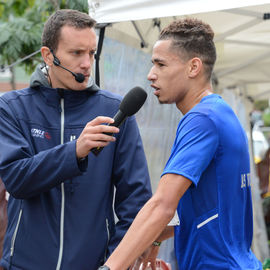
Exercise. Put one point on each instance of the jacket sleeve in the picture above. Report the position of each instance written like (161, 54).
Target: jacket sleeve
(24, 173)
(131, 179)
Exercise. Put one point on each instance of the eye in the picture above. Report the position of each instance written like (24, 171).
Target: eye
(76, 52)
(160, 64)
(92, 53)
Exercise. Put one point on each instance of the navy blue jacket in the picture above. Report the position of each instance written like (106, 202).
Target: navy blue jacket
(61, 211)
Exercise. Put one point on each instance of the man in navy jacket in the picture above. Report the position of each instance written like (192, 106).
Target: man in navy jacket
(62, 204)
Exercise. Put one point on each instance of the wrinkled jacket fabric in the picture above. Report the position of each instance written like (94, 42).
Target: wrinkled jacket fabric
(3, 216)
(61, 210)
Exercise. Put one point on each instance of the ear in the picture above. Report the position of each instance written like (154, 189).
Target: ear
(47, 55)
(195, 66)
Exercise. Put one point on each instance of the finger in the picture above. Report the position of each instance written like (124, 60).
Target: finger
(107, 129)
(153, 266)
(99, 144)
(136, 265)
(90, 139)
(93, 139)
(131, 266)
(152, 261)
(90, 129)
(101, 120)
(144, 265)
(103, 137)
(145, 262)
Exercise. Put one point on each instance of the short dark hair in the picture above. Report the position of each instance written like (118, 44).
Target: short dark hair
(192, 38)
(62, 17)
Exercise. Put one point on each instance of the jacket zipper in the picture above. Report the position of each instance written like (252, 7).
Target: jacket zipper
(108, 240)
(60, 256)
(72, 138)
(15, 234)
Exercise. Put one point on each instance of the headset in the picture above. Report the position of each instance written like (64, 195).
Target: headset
(79, 77)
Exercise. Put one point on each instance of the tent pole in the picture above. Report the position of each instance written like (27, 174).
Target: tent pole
(97, 56)
(143, 42)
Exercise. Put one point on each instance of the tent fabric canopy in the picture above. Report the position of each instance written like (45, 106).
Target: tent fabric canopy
(108, 11)
(241, 27)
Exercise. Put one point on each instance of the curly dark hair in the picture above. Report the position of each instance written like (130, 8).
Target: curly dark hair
(62, 17)
(192, 38)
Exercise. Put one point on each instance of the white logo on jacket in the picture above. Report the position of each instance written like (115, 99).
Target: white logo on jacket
(35, 132)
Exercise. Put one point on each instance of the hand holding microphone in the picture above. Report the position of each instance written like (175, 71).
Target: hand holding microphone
(130, 104)
(96, 135)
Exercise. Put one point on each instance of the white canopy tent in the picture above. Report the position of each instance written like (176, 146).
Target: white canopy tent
(111, 11)
(241, 27)
(241, 74)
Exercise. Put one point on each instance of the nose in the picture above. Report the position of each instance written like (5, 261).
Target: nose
(87, 61)
(151, 75)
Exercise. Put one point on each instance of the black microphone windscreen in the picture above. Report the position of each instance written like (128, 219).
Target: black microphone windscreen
(133, 101)
(79, 77)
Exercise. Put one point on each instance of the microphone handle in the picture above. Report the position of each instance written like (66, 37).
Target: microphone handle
(119, 118)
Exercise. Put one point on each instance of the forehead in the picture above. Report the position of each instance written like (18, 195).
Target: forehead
(163, 50)
(71, 36)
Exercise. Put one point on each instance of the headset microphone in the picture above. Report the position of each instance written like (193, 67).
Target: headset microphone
(79, 77)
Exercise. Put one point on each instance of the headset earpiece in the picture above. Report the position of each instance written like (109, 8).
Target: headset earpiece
(56, 61)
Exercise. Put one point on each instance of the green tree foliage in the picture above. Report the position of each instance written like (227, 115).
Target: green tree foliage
(266, 117)
(261, 105)
(21, 24)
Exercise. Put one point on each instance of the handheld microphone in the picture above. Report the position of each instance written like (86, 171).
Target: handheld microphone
(130, 104)
(79, 77)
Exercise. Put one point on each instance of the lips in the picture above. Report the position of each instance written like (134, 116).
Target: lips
(157, 89)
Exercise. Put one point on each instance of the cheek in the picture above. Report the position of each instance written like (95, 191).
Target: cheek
(176, 84)
(178, 76)
(60, 73)
(172, 80)
(92, 63)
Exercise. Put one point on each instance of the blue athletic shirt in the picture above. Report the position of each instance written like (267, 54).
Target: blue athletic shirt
(211, 149)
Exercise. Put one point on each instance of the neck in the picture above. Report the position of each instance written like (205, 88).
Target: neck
(194, 97)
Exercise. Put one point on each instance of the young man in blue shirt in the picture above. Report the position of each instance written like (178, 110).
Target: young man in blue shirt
(207, 177)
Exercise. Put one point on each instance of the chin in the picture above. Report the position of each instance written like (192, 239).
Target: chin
(162, 101)
(80, 86)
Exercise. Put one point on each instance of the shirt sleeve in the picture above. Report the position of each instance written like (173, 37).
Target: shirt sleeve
(194, 147)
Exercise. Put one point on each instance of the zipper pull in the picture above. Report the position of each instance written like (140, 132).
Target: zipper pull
(72, 137)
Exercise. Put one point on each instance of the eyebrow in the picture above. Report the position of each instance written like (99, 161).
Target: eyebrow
(157, 60)
(76, 49)
(82, 49)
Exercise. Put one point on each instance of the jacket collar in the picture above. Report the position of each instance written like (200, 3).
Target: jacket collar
(39, 81)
